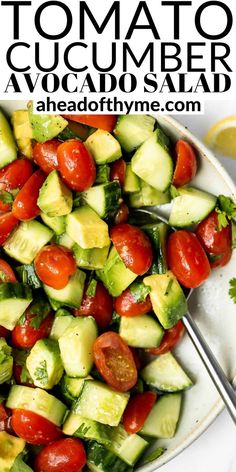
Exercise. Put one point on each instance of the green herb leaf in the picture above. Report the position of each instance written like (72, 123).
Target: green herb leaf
(115, 322)
(92, 287)
(173, 192)
(154, 455)
(40, 308)
(6, 197)
(139, 291)
(20, 466)
(232, 290)
(168, 288)
(226, 210)
(41, 372)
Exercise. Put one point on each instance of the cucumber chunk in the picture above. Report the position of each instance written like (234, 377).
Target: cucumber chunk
(27, 240)
(86, 228)
(166, 374)
(115, 275)
(99, 459)
(157, 232)
(103, 174)
(103, 147)
(163, 418)
(55, 198)
(22, 131)
(10, 448)
(167, 297)
(132, 130)
(45, 127)
(152, 162)
(56, 223)
(148, 196)
(8, 150)
(65, 240)
(76, 346)
(132, 182)
(14, 299)
(90, 259)
(128, 447)
(141, 331)
(37, 400)
(101, 403)
(71, 295)
(84, 428)
(71, 387)
(104, 198)
(44, 364)
(60, 324)
(27, 275)
(191, 207)
(6, 361)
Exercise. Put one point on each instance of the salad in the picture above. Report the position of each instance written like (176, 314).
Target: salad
(92, 296)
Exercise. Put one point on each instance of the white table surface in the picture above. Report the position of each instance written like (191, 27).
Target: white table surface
(215, 450)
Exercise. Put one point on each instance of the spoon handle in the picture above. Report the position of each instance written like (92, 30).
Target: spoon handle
(215, 371)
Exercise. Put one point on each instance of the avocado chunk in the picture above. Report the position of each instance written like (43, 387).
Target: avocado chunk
(56, 223)
(90, 259)
(6, 361)
(45, 127)
(86, 228)
(153, 163)
(23, 133)
(167, 297)
(132, 130)
(115, 275)
(10, 448)
(44, 364)
(55, 199)
(103, 147)
(27, 240)
(166, 374)
(8, 150)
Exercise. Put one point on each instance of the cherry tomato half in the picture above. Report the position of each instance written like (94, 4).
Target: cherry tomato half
(126, 305)
(76, 165)
(100, 306)
(45, 155)
(122, 215)
(118, 170)
(25, 336)
(54, 265)
(3, 412)
(106, 122)
(187, 259)
(33, 428)
(133, 246)
(171, 337)
(65, 455)
(215, 241)
(7, 223)
(25, 204)
(6, 272)
(137, 411)
(186, 164)
(115, 362)
(16, 174)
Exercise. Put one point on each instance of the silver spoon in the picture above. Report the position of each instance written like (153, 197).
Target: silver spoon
(214, 369)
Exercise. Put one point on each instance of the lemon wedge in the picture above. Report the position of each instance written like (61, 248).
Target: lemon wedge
(222, 137)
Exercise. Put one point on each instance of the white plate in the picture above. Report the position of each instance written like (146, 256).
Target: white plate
(212, 309)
